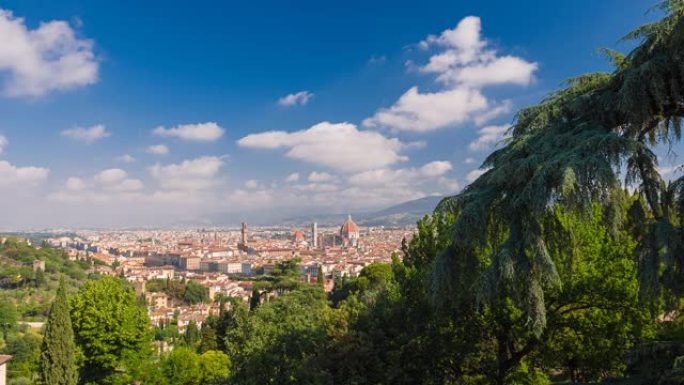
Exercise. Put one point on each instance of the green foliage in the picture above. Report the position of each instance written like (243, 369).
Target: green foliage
(185, 367)
(182, 367)
(111, 329)
(195, 293)
(188, 292)
(24, 346)
(208, 340)
(275, 342)
(569, 151)
(192, 334)
(58, 354)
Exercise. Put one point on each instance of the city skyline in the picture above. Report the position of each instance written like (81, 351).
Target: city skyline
(159, 115)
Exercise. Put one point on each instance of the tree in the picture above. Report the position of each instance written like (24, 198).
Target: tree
(278, 342)
(8, 316)
(208, 335)
(320, 277)
(215, 367)
(182, 367)
(192, 334)
(195, 293)
(185, 367)
(111, 329)
(58, 353)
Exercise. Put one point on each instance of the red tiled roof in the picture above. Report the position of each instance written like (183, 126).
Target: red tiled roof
(349, 227)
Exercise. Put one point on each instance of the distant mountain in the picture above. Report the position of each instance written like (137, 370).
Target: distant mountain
(403, 214)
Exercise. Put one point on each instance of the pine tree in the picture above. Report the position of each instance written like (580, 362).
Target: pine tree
(570, 150)
(57, 357)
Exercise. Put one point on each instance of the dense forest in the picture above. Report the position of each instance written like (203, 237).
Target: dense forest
(562, 263)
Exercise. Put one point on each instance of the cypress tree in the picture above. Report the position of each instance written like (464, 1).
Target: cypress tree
(58, 353)
(320, 277)
(207, 337)
(192, 333)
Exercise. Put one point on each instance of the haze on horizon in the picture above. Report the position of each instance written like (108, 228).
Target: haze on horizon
(125, 115)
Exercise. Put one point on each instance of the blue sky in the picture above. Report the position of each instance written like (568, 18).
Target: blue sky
(389, 101)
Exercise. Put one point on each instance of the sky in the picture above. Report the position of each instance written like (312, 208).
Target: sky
(129, 113)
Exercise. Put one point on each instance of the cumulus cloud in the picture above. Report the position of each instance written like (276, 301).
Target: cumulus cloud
(110, 176)
(13, 176)
(300, 98)
(3, 143)
(421, 112)
(340, 146)
(473, 175)
(252, 184)
(87, 134)
(75, 184)
(294, 177)
(319, 177)
(488, 137)
(469, 160)
(125, 158)
(107, 186)
(191, 174)
(200, 132)
(51, 57)
(463, 66)
(400, 177)
(157, 149)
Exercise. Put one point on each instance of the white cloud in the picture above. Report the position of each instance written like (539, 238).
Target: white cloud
(251, 184)
(51, 57)
(300, 98)
(110, 176)
(130, 185)
(75, 184)
(436, 168)
(473, 175)
(340, 146)
(125, 158)
(422, 112)
(191, 174)
(294, 177)
(401, 177)
(668, 172)
(13, 176)
(463, 67)
(319, 177)
(157, 149)
(200, 132)
(488, 137)
(377, 60)
(469, 160)
(3, 143)
(466, 60)
(87, 134)
(115, 179)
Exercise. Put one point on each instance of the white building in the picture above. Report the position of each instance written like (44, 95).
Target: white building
(4, 359)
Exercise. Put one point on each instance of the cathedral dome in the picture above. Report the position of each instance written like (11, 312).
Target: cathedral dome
(349, 228)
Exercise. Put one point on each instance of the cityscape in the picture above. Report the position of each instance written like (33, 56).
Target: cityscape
(444, 192)
(224, 260)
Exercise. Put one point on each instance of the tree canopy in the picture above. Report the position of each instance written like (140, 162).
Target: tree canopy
(569, 150)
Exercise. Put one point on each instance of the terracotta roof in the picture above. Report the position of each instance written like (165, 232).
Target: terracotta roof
(4, 358)
(349, 227)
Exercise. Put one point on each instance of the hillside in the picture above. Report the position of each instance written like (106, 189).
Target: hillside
(403, 214)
